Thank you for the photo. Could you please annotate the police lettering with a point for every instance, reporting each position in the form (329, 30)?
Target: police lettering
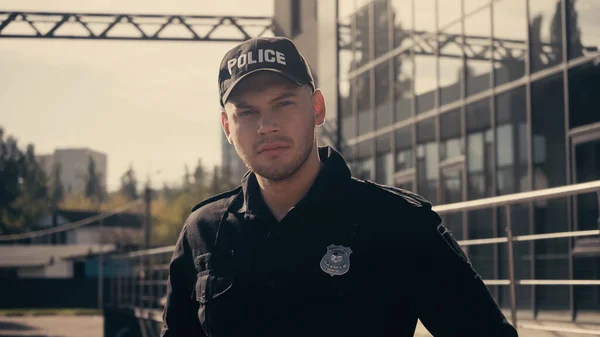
(264, 55)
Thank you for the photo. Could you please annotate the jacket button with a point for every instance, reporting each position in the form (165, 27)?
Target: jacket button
(340, 294)
(353, 234)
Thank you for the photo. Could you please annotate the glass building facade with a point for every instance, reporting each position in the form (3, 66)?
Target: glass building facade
(466, 99)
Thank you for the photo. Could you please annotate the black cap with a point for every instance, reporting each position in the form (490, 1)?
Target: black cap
(276, 54)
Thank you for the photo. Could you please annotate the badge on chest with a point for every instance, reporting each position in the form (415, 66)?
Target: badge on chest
(336, 260)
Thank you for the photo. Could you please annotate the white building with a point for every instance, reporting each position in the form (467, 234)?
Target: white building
(74, 167)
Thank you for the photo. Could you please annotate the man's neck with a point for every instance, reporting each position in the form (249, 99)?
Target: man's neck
(281, 196)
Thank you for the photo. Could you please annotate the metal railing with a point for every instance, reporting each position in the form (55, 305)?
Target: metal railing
(141, 276)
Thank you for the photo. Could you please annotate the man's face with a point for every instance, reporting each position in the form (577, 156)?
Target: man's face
(271, 122)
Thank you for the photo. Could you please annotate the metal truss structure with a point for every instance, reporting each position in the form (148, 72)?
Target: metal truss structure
(447, 45)
(144, 27)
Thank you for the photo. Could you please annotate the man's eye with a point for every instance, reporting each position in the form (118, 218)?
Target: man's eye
(285, 103)
(246, 112)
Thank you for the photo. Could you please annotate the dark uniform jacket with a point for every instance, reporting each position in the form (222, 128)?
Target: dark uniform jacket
(352, 258)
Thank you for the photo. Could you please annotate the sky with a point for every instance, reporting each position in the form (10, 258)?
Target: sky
(152, 105)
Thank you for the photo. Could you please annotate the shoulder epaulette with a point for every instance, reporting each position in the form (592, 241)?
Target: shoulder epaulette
(216, 197)
(410, 197)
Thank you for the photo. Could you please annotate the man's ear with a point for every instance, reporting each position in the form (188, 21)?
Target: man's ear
(319, 107)
(225, 125)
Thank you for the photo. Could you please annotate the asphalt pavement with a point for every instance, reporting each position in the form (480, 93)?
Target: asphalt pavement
(51, 326)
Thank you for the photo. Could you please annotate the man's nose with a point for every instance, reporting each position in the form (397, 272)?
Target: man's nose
(268, 124)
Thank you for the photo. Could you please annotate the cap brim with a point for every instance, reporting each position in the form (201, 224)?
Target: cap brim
(236, 82)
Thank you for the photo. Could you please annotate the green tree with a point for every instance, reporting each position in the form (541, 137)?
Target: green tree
(93, 189)
(57, 189)
(129, 184)
(23, 184)
(199, 175)
(10, 158)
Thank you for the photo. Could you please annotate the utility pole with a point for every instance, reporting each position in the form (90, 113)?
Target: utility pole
(101, 269)
(147, 219)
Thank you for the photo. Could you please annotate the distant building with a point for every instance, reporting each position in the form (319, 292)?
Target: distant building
(74, 165)
(69, 254)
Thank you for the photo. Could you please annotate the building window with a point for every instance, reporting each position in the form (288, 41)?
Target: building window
(478, 69)
(403, 86)
(584, 86)
(511, 142)
(296, 24)
(383, 106)
(582, 27)
(509, 43)
(404, 149)
(365, 161)
(427, 160)
(545, 26)
(480, 150)
(451, 135)
(549, 170)
(384, 165)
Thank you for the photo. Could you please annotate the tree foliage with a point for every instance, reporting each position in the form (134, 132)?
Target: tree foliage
(23, 186)
(129, 184)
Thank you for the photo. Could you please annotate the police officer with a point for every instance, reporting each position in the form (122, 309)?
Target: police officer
(302, 248)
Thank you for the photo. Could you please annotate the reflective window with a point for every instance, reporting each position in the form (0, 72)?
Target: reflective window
(365, 116)
(452, 184)
(451, 63)
(404, 148)
(345, 9)
(471, 5)
(347, 117)
(384, 165)
(402, 19)
(425, 76)
(482, 256)
(345, 54)
(425, 63)
(451, 135)
(381, 24)
(479, 150)
(349, 153)
(549, 170)
(361, 36)
(510, 35)
(583, 29)
(427, 160)
(449, 11)
(383, 106)
(511, 142)
(403, 70)
(478, 31)
(584, 100)
(546, 33)
(365, 163)
(520, 221)
(425, 17)
(547, 104)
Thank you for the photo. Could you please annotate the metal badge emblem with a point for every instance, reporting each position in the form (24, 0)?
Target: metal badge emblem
(336, 261)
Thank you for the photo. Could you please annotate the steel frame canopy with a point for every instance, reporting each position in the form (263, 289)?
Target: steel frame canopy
(141, 27)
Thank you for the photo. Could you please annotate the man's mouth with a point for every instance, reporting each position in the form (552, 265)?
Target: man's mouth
(272, 146)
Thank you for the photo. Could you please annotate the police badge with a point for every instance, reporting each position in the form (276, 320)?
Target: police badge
(337, 260)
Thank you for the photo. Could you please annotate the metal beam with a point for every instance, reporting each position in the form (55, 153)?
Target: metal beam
(142, 27)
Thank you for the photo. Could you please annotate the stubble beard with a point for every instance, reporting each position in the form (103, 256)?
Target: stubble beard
(285, 170)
